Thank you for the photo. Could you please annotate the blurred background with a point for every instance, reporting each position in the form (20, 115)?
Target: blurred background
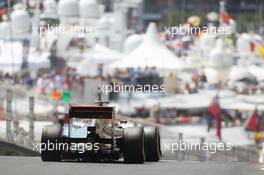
(214, 84)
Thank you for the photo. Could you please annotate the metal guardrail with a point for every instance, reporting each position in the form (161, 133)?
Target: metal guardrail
(18, 103)
(236, 154)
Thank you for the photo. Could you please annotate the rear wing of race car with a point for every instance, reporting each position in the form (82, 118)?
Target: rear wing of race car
(91, 112)
(94, 112)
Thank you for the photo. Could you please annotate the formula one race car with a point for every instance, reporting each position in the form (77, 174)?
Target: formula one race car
(91, 133)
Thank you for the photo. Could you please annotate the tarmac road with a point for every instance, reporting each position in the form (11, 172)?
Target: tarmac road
(34, 166)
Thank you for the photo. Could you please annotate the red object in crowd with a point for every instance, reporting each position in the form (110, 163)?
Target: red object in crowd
(68, 83)
(252, 47)
(185, 120)
(2, 113)
(2, 12)
(195, 78)
(41, 7)
(215, 112)
(66, 119)
(226, 17)
(253, 123)
(158, 120)
(162, 36)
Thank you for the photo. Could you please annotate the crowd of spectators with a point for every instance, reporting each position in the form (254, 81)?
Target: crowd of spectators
(45, 83)
(140, 76)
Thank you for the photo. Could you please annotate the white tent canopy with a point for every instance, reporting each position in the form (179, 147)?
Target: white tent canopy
(132, 42)
(151, 52)
(221, 56)
(257, 71)
(99, 54)
(239, 72)
(102, 55)
(250, 72)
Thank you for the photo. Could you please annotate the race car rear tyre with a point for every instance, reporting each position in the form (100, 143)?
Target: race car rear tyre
(49, 139)
(134, 145)
(152, 143)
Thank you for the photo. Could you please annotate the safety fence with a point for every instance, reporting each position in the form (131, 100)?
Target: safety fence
(234, 154)
(22, 112)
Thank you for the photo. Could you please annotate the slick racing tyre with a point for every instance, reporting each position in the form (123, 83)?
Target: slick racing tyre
(152, 143)
(134, 145)
(50, 137)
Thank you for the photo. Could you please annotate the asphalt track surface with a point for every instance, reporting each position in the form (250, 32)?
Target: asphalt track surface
(10, 165)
